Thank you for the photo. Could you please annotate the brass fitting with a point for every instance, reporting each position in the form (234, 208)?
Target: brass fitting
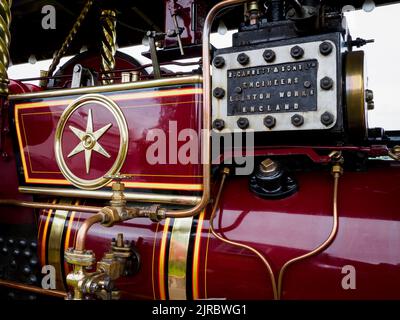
(252, 12)
(395, 153)
(98, 284)
(337, 163)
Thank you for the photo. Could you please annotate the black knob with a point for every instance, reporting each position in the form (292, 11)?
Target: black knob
(11, 241)
(16, 252)
(219, 62)
(269, 122)
(269, 55)
(26, 270)
(22, 243)
(297, 120)
(325, 48)
(218, 124)
(243, 59)
(327, 118)
(4, 250)
(326, 83)
(219, 93)
(33, 261)
(296, 52)
(271, 181)
(243, 123)
(32, 279)
(33, 245)
(27, 254)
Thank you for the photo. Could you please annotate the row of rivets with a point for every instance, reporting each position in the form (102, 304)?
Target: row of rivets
(269, 55)
(270, 122)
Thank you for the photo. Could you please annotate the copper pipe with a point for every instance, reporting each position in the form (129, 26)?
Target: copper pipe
(206, 150)
(33, 289)
(44, 205)
(321, 247)
(237, 244)
(84, 228)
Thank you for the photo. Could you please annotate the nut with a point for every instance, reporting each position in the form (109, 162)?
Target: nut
(243, 59)
(269, 122)
(297, 52)
(269, 55)
(219, 93)
(325, 48)
(219, 62)
(218, 124)
(243, 123)
(297, 120)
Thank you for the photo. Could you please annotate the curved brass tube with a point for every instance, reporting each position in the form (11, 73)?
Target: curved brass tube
(321, 247)
(33, 289)
(84, 228)
(237, 244)
(206, 154)
(44, 205)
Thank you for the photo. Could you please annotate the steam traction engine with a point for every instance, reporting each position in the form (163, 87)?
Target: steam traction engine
(253, 176)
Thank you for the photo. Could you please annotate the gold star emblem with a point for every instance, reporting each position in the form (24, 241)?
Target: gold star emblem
(89, 141)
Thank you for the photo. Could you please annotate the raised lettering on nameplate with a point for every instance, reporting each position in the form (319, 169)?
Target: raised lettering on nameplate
(286, 87)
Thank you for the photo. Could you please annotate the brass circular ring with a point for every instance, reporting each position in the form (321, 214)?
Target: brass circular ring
(123, 143)
(355, 96)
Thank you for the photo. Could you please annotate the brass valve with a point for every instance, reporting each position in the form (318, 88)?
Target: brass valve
(337, 163)
(120, 260)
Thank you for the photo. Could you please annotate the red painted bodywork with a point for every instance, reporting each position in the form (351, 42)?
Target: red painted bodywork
(368, 237)
(159, 109)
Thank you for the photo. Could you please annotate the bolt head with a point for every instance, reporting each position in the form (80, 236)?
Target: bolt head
(297, 52)
(238, 90)
(219, 62)
(297, 120)
(369, 95)
(327, 118)
(269, 122)
(219, 124)
(326, 83)
(268, 167)
(243, 123)
(325, 48)
(243, 59)
(219, 93)
(269, 55)
(307, 84)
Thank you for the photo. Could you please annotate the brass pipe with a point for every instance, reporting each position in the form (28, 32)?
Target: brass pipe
(106, 195)
(237, 244)
(84, 228)
(206, 150)
(326, 243)
(33, 289)
(108, 45)
(44, 205)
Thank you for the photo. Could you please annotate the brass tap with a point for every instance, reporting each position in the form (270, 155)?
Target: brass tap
(119, 261)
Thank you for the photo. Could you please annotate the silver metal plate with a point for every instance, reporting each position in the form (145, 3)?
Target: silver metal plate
(275, 89)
